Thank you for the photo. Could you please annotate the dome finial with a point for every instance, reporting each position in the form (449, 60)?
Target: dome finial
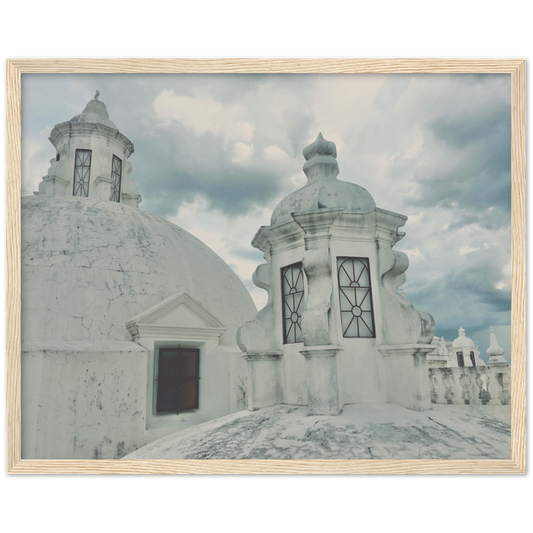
(320, 147)
(461, 332)
(320, 160)
(97, 94)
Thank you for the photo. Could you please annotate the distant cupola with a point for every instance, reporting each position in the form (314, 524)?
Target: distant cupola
(91, 159)
(465, 352)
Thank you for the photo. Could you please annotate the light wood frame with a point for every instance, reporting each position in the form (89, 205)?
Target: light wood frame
(515, 67)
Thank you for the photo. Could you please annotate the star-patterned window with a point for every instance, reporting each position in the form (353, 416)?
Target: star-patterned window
(116, 176)
(82, 172)
(292, 289)
(355, 296)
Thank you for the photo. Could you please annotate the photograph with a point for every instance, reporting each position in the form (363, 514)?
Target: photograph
(266, 266)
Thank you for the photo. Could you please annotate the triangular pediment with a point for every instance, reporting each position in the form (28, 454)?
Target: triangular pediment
(178, 313)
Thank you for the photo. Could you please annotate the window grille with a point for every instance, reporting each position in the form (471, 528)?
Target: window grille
(355, 297)
(82, 173)
(292, 290)
(116, 175)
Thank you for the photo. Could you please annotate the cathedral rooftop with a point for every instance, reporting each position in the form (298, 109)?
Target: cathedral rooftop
(95, 112)
(364, 431)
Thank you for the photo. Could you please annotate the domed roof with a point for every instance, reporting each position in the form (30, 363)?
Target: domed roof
(463, 341)
(89, 266)
(323, 190)
(95, 112)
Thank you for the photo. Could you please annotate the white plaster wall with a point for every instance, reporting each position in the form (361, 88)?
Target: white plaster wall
(359, 367)
(293, 375)
(238, 379)
(403, 374)
(82, 401)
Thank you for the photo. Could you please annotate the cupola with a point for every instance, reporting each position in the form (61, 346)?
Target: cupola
(91, 159)
(335, 330)
(465, 352)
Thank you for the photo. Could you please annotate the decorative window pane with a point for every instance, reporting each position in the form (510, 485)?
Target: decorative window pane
(355, 296)
(82, 173)
(116, 175)
(177, 380)
(292, 290)
(473, 358)
(460, 359)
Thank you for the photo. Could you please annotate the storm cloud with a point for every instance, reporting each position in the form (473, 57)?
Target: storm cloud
(215, 153)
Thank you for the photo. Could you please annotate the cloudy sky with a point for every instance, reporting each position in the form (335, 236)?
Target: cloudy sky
(215, 153)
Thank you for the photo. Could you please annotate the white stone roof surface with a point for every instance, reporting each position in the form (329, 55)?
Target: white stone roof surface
(363, 431)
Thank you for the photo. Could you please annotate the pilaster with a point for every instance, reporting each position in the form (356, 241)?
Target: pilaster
(320, 355)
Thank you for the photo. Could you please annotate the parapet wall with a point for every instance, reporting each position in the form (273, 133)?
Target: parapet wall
(471, 385)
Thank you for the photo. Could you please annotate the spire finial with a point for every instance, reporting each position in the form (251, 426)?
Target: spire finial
(97, 94)
(320, 159)
(495, 351)
(461, 332)
(320, 147)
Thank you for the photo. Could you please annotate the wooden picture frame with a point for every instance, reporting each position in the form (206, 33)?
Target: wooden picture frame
(515, 67)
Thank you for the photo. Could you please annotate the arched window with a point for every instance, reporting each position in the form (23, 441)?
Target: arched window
(292, 290)
(355, 296)
(82, 173)
(460, 359)
(116, 175)
(473, 358)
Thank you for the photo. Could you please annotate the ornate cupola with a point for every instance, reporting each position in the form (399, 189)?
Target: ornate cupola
(464, 352)
(335, 330)
(495, 351)
(91, 159)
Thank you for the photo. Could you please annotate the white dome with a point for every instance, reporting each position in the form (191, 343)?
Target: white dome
(323, 190)
(89, 266)
(95, 112)
(321, 195)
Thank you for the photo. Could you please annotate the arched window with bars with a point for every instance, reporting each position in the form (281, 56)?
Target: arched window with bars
(355, 297)
(116, 175)
(82, 173)
(292, 291)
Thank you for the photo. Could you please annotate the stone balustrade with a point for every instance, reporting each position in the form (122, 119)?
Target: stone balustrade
(471, 385)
